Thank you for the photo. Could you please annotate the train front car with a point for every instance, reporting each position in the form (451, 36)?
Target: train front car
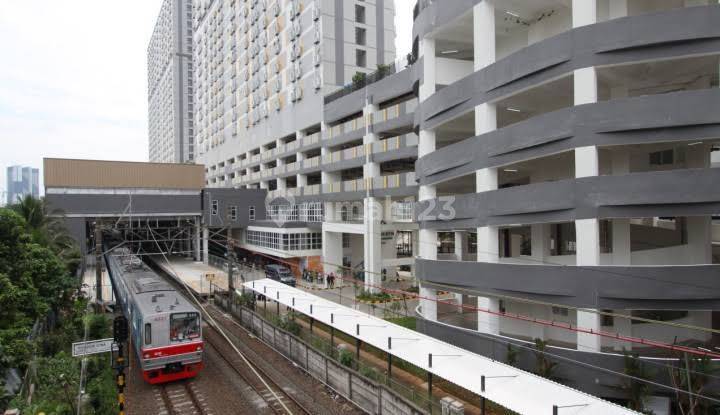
(166, 328)
(168, 334)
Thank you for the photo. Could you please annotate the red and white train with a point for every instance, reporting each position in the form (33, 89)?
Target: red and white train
(166, 329)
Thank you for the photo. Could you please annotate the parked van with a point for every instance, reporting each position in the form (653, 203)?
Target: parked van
(280, 273)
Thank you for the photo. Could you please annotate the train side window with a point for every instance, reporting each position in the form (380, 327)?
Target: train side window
(148, 334)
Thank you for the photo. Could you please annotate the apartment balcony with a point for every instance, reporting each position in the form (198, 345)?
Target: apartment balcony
(345, 132)
(344, 159)
(396, 119)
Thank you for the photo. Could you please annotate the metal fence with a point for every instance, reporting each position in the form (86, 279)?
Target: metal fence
(365, 387)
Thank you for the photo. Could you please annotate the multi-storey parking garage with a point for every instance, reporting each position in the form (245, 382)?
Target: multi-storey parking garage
(551, 164)
(565, 164)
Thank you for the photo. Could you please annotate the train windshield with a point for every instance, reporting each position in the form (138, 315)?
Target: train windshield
(184, 326)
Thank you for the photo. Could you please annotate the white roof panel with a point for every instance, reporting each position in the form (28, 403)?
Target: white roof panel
(515, 389)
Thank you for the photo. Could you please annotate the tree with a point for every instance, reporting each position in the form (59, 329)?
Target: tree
(47, 228)
(543, 366)
(637, 391)
(693, 375)
(359, 79)
(512, 355)
(33, 280)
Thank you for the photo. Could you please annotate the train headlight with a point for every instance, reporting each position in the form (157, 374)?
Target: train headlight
(198, 348)
(146, 355)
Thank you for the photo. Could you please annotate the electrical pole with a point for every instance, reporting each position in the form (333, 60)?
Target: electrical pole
(230, 261)
(120, 336)
(98, 266)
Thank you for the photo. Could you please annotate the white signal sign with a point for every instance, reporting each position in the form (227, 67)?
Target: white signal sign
(93, 347)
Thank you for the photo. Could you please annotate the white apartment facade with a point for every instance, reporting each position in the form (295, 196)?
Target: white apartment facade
(170, 85)
(263, 72)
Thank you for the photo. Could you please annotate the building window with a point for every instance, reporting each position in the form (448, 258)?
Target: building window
(560, 311)
(472, 243)
(446, 242)
(360, 36)
(148, 334)
(215, 207)
(251, 213)
(359, 13)
(660, 158)
(232, 213)
(285, 242)
(404, 244)
(360, 58)
(562, 239)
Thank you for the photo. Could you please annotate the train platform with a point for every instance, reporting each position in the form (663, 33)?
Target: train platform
(200, 277)
(88, 285)
(512, 388)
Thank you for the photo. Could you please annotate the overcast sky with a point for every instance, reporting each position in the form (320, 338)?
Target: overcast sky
(73, 78)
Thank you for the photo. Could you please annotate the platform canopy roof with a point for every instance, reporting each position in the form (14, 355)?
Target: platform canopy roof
(515, 389)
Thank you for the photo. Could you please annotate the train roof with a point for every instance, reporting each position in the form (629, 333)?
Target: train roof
(153, 295)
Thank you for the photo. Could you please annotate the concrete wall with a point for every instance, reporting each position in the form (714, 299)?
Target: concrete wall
(614, 287)
(240, 198)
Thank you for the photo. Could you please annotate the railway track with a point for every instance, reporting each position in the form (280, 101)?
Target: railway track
(279, 401)
(182, 398)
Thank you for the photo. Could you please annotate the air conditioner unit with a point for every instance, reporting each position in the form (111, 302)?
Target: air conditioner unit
(317, 57)
(297, 29)
(291, 72)
(276, 9)
(317, 35)
(316, 11)
(298, 70)
(317, 80)
(298, 92)
(292, 95)
(276, 46)
(278, 84)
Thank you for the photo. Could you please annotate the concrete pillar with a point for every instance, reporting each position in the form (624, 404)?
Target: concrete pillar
(427, 53)
(586, 165)
(301, 180)
(459, 301)
(198, 241)
(281, 183)
(483, 34)
(584, 12)
(699, 233)
(588, 320)
(332, 251)
(487, 238)
(372, 244)
(487, 322)
(206, 242)
(617, 9)
(427, 238)
(428, 303)
(461, 245)
(540, 242)
(621, 243)
(484, 48)
(487, 251)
